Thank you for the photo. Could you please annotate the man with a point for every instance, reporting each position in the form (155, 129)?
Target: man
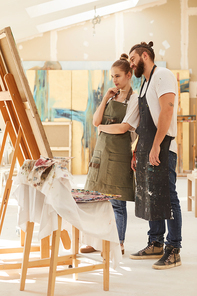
(156, 197)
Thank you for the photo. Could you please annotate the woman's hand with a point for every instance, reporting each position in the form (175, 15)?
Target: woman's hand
(110, 93)
(98, 115)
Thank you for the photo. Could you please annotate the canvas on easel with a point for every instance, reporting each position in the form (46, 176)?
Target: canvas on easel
(22, 121)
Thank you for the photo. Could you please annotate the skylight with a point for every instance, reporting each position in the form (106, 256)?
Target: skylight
(53, 6)
(84, 16)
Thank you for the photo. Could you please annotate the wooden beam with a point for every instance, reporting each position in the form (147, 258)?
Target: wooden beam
(5, 96)
(22, 116)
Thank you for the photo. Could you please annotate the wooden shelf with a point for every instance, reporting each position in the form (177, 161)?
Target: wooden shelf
(59, 138)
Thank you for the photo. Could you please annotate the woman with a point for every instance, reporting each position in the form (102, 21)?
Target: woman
(110, 167)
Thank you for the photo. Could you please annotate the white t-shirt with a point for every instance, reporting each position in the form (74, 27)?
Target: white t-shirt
(132, 115)
(162, 82)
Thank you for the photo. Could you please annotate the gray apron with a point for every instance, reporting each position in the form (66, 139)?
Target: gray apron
(153, 195)
(110, 167)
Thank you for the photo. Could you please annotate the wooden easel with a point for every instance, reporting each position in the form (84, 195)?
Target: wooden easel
(23, 125)
(181, 119)
(179, 132)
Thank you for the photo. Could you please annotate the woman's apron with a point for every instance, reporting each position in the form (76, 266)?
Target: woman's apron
(153, 195)
(110, 167)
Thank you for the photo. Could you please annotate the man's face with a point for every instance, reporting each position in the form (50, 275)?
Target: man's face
(136, 63)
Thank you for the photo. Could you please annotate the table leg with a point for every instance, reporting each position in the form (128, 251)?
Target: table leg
(106, 249)
(27, 247)
(65, 239)
(75, 248)
(45, 248)
(189, 193)
(195, 198)
(54, 258)
(22, 238)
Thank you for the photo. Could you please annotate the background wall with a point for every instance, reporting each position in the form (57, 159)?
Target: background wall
(171, 25)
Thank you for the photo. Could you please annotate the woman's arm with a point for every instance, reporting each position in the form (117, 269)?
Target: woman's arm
(98, 115)
(117, 128)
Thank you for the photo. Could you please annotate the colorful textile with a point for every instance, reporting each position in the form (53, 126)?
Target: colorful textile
(81, 195)
(37, 172)
(43, 172)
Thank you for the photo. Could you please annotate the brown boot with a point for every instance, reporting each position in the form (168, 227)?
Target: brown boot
(171, 258)
(87, 249)
(154, 250)
(122, 248)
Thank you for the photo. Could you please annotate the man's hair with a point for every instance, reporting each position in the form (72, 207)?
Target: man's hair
(144, 47)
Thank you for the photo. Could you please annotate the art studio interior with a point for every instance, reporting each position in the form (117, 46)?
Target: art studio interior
(56, 60)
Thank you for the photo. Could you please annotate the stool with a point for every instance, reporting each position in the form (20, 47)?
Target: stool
(190, 179)
(57, 260)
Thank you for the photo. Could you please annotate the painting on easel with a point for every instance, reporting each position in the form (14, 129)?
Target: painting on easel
(65, 95)
(20, 115)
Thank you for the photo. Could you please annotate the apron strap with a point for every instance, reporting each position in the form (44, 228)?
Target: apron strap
(151, 73)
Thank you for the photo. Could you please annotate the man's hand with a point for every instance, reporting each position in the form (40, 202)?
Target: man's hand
(154, 155)
(133, 163)
(99, 129)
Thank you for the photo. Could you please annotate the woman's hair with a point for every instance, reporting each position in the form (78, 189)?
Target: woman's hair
(144, 47)
(123, 64)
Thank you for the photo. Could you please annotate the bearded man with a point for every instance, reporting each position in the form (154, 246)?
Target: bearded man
(156, 196)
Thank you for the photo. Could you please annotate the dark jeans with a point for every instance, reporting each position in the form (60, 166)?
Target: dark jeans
(158, 228)
(120, 211)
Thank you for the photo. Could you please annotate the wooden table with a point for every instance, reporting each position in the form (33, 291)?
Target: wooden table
(51, 204)
(55, 260)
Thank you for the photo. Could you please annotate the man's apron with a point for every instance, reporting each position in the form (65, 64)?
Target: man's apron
(110, 167)
(153, 195)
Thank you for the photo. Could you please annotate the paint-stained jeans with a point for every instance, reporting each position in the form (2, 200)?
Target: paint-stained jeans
(157, 228)
(120, 211)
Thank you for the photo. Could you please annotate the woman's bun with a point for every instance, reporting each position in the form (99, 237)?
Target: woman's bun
(124, 56)
(150, 44)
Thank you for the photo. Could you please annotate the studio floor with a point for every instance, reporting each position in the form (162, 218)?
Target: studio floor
(132, 277)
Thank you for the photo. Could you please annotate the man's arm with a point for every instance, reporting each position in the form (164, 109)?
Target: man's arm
(166, 102)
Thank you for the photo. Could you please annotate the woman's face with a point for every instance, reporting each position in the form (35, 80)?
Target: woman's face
(120, 79)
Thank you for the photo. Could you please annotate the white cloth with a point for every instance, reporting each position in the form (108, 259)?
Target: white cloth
(96, 220)
(162, 82)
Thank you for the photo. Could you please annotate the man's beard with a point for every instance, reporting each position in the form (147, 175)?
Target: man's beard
(139, 68)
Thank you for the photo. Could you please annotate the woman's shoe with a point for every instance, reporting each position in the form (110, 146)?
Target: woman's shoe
(122, 248)
(87, 249)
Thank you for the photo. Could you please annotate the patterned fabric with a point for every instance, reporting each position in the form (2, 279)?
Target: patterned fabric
(43, 172)
(37, 172)
(81, 195)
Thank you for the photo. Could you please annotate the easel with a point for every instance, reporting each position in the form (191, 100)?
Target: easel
(180, 120)
(23, 126)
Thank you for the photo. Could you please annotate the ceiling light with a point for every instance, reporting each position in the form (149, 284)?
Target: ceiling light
(96, 20)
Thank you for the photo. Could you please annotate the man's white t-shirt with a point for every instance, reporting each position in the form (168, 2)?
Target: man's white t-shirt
(162, 82)
(132, 115)
(132, 112)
